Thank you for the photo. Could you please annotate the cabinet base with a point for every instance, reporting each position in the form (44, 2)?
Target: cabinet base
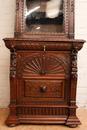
(12, 121)
(73, 121)
(23, 119)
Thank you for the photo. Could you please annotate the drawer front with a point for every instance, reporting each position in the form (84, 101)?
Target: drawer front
(44, 88)
(40, 91)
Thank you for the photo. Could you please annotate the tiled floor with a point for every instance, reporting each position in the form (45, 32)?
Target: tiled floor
(82, 114)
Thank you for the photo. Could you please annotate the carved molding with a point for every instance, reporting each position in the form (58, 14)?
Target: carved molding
(51, 44)
(41, 111)
(66, 17)
(73, 103)
(72, 6)
(17, 5)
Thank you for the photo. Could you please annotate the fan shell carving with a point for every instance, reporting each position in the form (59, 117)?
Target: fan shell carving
(41, 65)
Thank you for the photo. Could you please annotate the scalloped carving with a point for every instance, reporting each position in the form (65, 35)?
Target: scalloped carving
(34, 65)
(41, 65)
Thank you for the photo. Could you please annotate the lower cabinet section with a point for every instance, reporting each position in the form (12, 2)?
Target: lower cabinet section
(42, 115)
(43, 81)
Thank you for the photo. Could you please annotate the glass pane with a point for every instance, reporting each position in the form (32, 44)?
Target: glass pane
(44, 16)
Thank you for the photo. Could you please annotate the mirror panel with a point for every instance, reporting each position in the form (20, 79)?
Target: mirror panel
(44, 16)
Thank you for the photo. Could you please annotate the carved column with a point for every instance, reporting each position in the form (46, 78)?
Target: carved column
(12, 119)
(71, 18)
(73, 83)
(72, 119)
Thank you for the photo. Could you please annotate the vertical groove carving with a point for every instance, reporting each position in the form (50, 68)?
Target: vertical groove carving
(41, 111)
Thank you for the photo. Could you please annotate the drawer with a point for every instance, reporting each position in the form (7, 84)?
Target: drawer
(44, 88)
(41, 91)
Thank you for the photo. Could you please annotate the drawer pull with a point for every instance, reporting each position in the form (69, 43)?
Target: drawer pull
(43, 88)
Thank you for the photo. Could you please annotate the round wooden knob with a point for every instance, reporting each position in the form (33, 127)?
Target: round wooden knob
(43, 88)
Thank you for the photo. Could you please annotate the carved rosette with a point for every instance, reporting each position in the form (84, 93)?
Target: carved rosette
(13, 65)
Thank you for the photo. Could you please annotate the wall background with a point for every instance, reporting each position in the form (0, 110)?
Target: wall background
(7, 22)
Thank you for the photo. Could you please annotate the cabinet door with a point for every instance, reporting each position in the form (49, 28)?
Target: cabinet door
(42, 77)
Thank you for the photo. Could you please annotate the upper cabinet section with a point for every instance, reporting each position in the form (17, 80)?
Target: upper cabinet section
(44, 19)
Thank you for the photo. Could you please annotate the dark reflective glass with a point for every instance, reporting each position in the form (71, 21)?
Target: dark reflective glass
(44, 16)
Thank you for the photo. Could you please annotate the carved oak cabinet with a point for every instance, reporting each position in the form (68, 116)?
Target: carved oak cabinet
(43, 68)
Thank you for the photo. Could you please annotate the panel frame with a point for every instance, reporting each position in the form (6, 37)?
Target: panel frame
(68, 22)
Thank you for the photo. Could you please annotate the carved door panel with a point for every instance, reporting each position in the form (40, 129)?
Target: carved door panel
(42, 77)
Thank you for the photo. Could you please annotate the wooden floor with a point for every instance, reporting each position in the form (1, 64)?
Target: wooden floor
(82, 114)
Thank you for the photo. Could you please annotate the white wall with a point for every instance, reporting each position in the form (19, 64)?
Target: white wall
(7, 15)
(7, 18)
(81, 32)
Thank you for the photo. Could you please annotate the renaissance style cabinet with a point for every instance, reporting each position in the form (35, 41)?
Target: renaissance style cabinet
(43, 68)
